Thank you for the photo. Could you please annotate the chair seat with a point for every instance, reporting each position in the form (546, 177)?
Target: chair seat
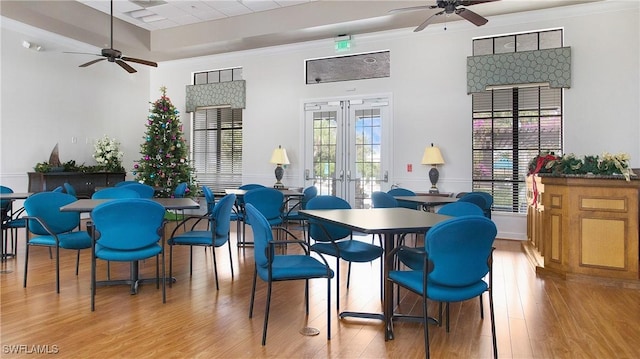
(292, 267)
(120, 255)
(195, 238)
(440, 293)
(71, 240)
(15, 223)
(350, 250)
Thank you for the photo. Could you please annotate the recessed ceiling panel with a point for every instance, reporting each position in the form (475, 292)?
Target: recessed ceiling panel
(351, 67)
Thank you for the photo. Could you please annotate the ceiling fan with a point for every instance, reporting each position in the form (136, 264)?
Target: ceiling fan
(113, 55)
(449, 7)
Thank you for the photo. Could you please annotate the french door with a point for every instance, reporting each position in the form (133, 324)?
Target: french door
(347, 147)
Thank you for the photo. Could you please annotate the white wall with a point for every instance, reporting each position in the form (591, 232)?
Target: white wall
(428, 85)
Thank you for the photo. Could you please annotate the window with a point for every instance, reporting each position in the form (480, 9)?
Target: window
(511, 126)
(217, 137)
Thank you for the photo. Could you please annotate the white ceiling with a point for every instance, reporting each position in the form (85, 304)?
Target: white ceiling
(204, 27)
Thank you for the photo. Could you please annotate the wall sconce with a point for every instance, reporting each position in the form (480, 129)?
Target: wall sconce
(32, 46)
(279, 157)
(433, 157)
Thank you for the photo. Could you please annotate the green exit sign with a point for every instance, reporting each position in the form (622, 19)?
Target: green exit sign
(343, 45)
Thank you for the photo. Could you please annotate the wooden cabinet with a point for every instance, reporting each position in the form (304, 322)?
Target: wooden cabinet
(590, 227)
(84, 183)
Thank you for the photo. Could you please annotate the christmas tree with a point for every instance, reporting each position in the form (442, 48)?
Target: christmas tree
(164, 163)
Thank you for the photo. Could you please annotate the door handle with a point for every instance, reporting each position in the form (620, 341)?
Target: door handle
(306, 175)
(340, 176)
(385, 178)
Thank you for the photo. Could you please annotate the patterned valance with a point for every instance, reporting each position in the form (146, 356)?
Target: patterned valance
(551, 66)
(232, 93)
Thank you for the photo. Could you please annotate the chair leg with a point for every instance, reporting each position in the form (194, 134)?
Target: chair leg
(447, 314)
(57, 269)
(425, 323)
(440, 314)
(338, 285)
(328, 308)
(171, 265)
(230, 257)
(306, 296)
(26, 263)
(493, 326)
(481, 307)
(215, 266)
(349, 275)
(253, 292)
(164, 279)
(93, 281)
(158, 272)
(266, 315)
(77, 262)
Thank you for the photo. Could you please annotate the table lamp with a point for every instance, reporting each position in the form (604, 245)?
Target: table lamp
(279, 157)
(432, 156)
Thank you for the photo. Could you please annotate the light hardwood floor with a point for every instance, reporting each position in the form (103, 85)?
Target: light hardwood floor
(536, 317)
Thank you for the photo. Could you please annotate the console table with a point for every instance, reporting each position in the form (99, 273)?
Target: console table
(83, 182)
(586, 226)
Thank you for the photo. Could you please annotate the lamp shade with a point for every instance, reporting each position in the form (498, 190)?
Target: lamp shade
(432, 156)
(279, 156)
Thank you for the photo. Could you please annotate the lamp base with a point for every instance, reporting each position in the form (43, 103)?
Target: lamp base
(279, 172)
(433, 177)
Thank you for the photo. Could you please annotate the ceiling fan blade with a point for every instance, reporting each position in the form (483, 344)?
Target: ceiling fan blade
(92, 62)
(139, 61)
(427, 21)
(474, 2)
(412, 8)
(472, 17)
(80, 53)
(126, 66)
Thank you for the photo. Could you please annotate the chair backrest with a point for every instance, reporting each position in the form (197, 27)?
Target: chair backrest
(383, 200)
(266, 200)
(70, 189)
(250, 186)
(211, 199)
(58, 189)
(308, 193)
(128, 224)
(221, 214)
(124, 183)
(483, 199)
(457, 209)
(181, 190)
(115, 192)
(262, 235)
(459, 249)
(5, 204)
(401, 192)
(145, 191)
(46, 206)
(333, 231)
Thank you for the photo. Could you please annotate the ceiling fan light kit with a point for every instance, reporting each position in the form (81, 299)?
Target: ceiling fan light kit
(449, 7)
(113, 55)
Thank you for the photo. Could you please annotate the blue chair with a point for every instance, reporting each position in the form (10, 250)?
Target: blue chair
(269, 202)
(381, 199)
(181, 190)
(337, 241)
(271, 267)
(455, 209)
(124, 183)
(127, 230)
(293, 215)
(58, 189)
(53, 229)
(145, 191)
(216, 236)
(481, 199)
(455, 261)
(70, 189)
(115, 193)
(12, 220)
(210, 198)
(238, 213)
(403, 192)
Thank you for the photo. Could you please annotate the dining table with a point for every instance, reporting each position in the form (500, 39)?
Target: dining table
(389, 223)
(427, 202)
(87, 205)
